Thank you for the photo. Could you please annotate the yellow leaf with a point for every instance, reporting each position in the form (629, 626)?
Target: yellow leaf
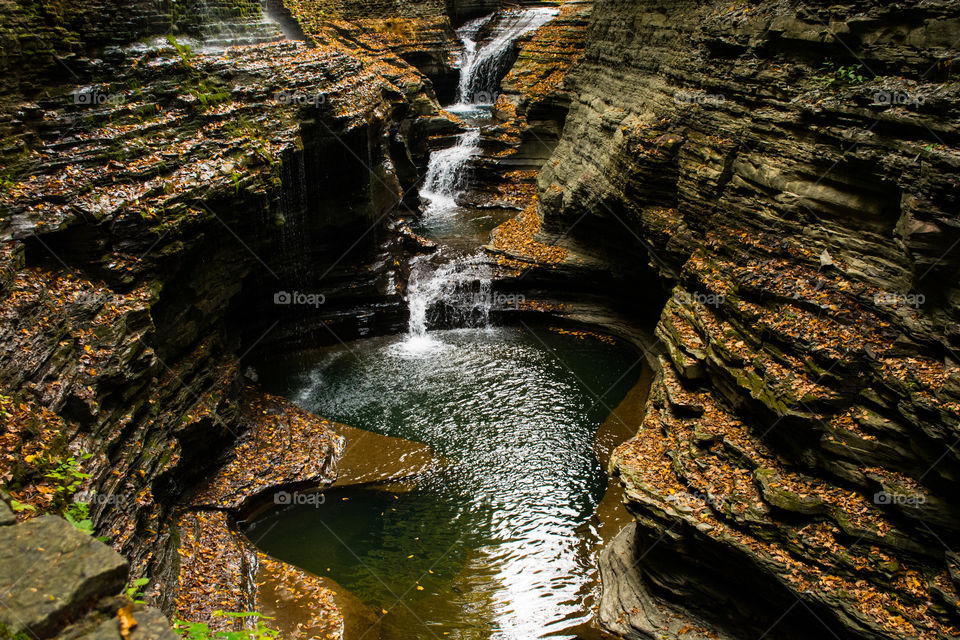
(127, 621)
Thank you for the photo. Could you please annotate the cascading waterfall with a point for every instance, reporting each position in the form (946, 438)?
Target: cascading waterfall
(446, 175)
(224, 28)
(483, 66)
(458, 293)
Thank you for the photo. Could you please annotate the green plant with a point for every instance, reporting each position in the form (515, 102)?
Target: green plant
(19, 506)
(7, 634)
(6, 184)
(201, 630)
(183, 50)
(68, 475)
(78, 514)
(208, 94)
(841, 75)
(134, 592)
(69, 478)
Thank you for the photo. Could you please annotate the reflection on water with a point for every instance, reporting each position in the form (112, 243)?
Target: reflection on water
(497, 544)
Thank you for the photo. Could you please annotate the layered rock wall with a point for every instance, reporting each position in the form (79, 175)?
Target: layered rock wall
(146, 238)
(790, 171)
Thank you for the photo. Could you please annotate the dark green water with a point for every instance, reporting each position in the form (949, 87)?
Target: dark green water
(499, 543)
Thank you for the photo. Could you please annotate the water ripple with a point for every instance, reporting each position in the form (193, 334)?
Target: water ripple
(494, 541)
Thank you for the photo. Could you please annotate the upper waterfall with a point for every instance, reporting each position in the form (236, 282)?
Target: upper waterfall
(483, 64)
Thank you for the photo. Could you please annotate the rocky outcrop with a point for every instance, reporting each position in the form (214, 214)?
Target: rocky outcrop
(787, 171)
(283, 456)
(534, 97)
(461, 11)
(155, 229)
(418, 31)
(64, 43)
(58, 582)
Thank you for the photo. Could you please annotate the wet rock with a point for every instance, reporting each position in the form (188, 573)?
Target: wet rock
(626, 606)
(221, 570)
(305, 606)
(153, 233)
(122, 621)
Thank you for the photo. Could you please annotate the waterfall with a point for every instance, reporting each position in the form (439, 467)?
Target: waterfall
(446, 175)
(224, 26)
(482, 66)
(458, 293)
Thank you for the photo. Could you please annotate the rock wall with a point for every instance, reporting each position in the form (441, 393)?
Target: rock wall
(419, 31)
(462, 10)
(535, 97)
(146, 237)
(44, 42)
(789, 169)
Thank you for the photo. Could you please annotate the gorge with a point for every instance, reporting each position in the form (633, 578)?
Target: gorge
(479, 319)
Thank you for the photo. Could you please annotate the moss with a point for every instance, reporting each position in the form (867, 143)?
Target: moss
(6, 633)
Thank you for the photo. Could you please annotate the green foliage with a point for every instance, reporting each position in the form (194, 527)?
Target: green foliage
(208, 94)
(7, 634)
(134, 592)
(19, 506)
(835, 76)
(68, 479)
(68, 475)
(184, 50)
(7, 183)
(201, 630)
(78, 514)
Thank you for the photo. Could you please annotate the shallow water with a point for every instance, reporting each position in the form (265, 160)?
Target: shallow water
(498, 543)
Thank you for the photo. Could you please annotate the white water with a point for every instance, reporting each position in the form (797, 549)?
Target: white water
(480, 63)
(446, 175)
(462, 286)
(458, 293)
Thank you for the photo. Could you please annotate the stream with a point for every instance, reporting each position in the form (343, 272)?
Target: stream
(501, 541)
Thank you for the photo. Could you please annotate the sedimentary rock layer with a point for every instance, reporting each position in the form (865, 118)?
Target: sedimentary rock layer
(791, 170)
(146, 239)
